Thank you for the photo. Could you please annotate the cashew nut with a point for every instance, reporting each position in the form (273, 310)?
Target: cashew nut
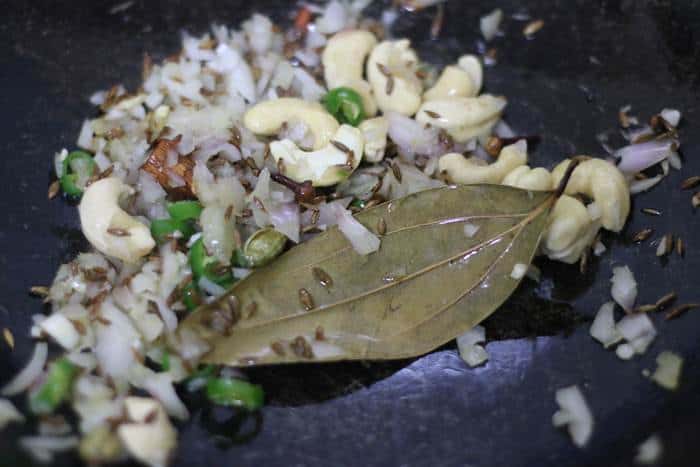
(108, 227)
(463, 117)
(327, 166)
(343, 64)
(570, 230)
(453, 82)
(267, 118)
(148, 435)
(472, 65)
(602, 182)
(391, 70)
(374, 131)
(460, 169)
(524, 177)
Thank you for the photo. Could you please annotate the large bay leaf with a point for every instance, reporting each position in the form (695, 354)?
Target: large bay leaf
(428, 282)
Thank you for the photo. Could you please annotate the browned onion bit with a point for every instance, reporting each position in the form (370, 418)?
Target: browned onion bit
(680, 310)
(432, 114)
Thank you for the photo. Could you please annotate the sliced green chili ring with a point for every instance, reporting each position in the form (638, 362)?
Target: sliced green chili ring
(191, 296)
(235, 392)
(185, 210)
(165, 361)
(204, 265)
(55, 388)
(358, 203)
(345, 105)
(200, 377)
(163, 229)
(78, 167)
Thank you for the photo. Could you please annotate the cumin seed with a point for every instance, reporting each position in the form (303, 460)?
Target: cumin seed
(532, 27)
(302, 348)
(583, 263)
(278, 348)
(79, 326)
(432, 114)
(696, 200)
(642, 235)
(322, 277)
(680, 247)
(690, 182)
(383, 69)
(396, 170)
(381, 226)
(644, 308)
(54, 188)
(9, 338)
(39, 291)
(118, 232)
(680, 310)
(229, 212)
(389, 85)
(341, 147)
(666, 300)
(315, 214)
(251, 309)
(651, 211)
(319, 335)
(665, 245)
(306, 299)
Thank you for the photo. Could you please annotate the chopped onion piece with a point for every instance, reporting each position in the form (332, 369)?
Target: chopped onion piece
(603, 328)
(9, 413)
(61, 330)
(672, 116)
(624, 351)
(650, 451)
(668, 370)
(29, 373)
(575, 414)
(637, 157)
(488, 24)
(42, 448)
(599, 248)
(675, 160)
(638, 330)
(518, 271)
(472, 353)
(638, 186)
(624, 287)
(363, 241)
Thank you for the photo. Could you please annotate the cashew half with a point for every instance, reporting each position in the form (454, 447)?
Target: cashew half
(472, 65)
(571, 230)
(343, 64)
(463, 117)
(108, 227)
(460, 169)
(148, 434)
(604, 183)
(374, 131)
(267, 118)
(327, 166)
(463, 80)
(524, 177)
(391, 70)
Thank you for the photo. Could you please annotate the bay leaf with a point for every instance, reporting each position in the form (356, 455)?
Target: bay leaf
(429, 282)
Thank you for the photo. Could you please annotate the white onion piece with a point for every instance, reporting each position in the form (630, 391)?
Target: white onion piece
(210, 287)
(575, 414)
(470, 229)
(668, 370)
(412, 137)
(650, 451)
(488, 24)
(638, 331)
(675, 160)
(603, 328)
(160, 386)
(115, 342)
(518, 271)
(625, 351)
(61, 330)
(639, 186)
(29, 373)
(672, 116)
(624, 287)
(9, 413)
(473, 354)
(637, 157)
(42, 448)
(599, 248)
(503, 130)
(363, 241)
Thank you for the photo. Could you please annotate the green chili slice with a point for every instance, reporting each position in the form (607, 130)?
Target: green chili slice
(164, 229)
(185, 210)
(165, 361)
(78, 167)
(191, 296)
(55, 387)
(235, 392)
(345, 105)
(204, 265)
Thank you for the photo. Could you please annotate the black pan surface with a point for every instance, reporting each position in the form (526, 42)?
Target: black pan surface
(567, 84)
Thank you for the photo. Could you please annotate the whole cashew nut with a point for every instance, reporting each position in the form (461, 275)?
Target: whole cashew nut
(108, 227)
(460, 169)
(391, 70)
(571, 230)
(602, 182)
(343, 64)
(463, 80)
(374, 131)
(463, 117)
(327, 166)
(267, 118)
(524, 177)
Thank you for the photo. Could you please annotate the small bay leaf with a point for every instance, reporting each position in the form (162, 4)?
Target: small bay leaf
(428, 282)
